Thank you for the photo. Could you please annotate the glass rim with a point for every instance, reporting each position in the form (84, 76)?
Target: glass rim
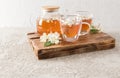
(83, 11)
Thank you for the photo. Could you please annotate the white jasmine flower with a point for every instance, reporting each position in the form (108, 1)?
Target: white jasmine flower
(69, 22)
(57, 35)
(52, 37)
(43, 38)
(57, 41)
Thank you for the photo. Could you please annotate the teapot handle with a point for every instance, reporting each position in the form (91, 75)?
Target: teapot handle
(33, 21)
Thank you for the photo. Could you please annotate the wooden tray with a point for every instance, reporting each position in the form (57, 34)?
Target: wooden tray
(86, 43)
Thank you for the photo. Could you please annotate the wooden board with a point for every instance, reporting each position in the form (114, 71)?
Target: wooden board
(86, 43)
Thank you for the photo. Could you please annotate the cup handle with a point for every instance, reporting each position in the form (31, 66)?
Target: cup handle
(87, 31)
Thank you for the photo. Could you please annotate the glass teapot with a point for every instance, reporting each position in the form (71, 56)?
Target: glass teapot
(49, 21)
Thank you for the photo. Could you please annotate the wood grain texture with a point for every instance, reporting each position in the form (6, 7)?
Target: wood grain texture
(86, 43)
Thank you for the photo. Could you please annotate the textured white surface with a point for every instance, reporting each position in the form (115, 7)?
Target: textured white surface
(17, 60)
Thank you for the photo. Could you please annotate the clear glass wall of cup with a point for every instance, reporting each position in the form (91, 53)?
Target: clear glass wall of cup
(86, 17)
(71, 27)
(49, 21)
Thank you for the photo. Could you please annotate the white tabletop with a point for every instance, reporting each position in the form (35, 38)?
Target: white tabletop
(17, 60)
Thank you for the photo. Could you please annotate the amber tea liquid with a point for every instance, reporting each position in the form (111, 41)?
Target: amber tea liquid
(84, 26)
(48, 25)
(70, 31)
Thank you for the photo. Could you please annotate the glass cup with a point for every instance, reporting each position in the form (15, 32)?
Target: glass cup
(86, 17)
(71, 27)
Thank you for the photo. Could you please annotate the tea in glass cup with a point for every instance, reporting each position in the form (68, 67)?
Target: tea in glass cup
(86, 17)
(71, 27)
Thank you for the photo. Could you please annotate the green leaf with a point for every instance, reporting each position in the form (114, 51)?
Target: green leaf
(94, 29)
(48, 43)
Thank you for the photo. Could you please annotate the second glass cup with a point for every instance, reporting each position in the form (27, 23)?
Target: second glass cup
(86, 17)
(71, 27)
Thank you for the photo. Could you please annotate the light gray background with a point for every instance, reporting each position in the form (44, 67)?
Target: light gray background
(17, 13)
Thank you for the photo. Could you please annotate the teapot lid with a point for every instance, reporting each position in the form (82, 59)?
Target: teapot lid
(50, 8)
